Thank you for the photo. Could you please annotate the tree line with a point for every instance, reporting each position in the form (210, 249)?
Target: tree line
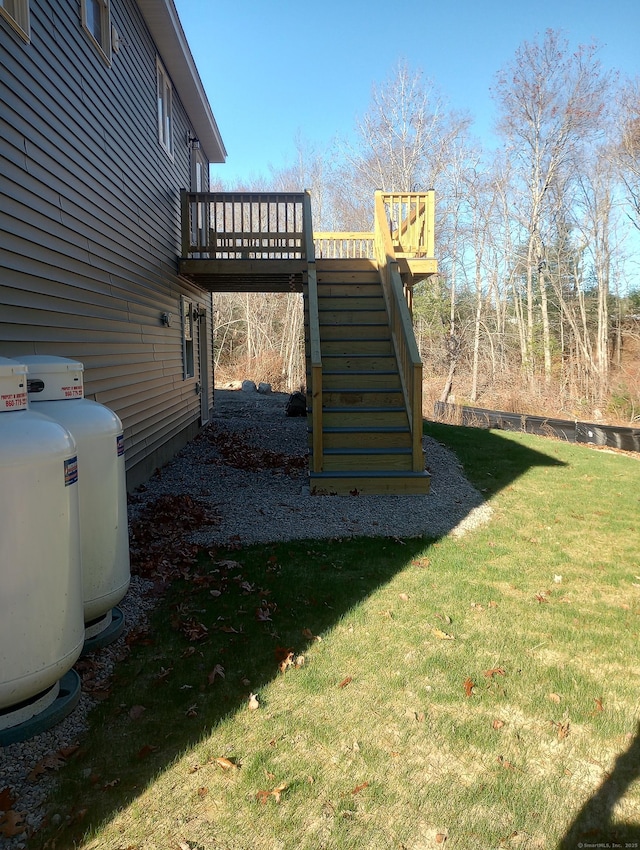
(535, 306)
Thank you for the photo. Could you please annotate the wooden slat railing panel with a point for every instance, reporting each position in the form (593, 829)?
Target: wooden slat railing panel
(344, 245)
(411, 218)
(240, 225)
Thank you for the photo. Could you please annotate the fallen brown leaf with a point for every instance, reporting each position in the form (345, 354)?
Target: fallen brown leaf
(360, 788)
(495, 671)
(164, 673)
(286, 663)
(506, 764)
(263, 796)
(562, 727)
(203, 791)
(468, 686)
(598, 702)
(145, 751)
(225, 763)
(6, 799)
(440, 838)
(445, 618)
(52, 761)
(442, 635)
(498, 724)
(277, 791)
(421, 562)
(554, 697)
(12, 823)
(218, 670)
(346, 681)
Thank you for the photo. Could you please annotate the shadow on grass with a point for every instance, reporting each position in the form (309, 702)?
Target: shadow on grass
(594, 825)
(219, 632)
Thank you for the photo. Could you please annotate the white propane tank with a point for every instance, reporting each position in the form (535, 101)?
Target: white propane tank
(56, 389)
(41, 624)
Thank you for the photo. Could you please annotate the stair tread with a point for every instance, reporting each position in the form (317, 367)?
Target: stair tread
(370, 473)
(365, 429)
(359, 372)
(362, 389)
(366, 451)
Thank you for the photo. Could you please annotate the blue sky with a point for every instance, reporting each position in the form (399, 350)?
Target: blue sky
(274, 71)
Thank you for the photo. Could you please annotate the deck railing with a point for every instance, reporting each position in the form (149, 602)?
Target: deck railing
(402, 335)
(411, 221)
(344, 245)
(243, 225)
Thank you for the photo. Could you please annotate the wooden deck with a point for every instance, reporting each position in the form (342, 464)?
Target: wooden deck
(364, 374)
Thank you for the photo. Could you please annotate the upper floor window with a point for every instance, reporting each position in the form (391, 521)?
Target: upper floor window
(96, 19)
(17, 13)
(165, 109)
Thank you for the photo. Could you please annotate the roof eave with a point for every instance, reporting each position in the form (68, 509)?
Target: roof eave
(166, 30)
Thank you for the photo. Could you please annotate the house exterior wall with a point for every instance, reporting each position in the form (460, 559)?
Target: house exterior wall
(90, 223)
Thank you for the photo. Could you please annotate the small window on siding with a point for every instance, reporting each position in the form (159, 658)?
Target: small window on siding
(17, 13)
(165, 109)
(188, 362)
(96, 20)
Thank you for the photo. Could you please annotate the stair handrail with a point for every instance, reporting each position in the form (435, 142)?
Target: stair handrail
(401, 324)
(315, 353)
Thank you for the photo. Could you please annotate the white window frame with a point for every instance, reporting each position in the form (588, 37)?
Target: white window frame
(188, 339)
(16, 13)
(164, 98)
(103, 43)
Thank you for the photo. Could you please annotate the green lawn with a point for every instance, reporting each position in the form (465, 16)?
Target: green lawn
(478, 692)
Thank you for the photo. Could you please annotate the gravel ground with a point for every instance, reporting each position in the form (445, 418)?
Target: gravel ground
(249, 467)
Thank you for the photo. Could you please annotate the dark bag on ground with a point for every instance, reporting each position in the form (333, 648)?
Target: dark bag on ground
(297, 405)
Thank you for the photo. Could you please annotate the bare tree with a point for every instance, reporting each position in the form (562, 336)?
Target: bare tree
(402, 144)
(551, 102)
(626, 152)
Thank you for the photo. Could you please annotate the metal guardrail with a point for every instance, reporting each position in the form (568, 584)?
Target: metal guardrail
(572, 431)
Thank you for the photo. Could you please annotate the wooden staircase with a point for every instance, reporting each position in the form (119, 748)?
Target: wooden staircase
(366, 440)
(364, 372)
